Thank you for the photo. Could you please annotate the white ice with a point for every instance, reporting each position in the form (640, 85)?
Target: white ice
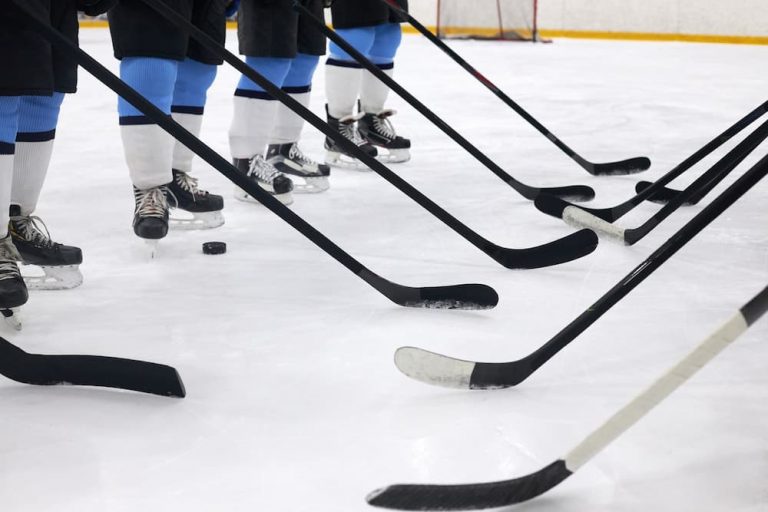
(294, 403)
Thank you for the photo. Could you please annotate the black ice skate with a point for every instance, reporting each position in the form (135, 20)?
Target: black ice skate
(13, 291)
(378, 130)
(59, 263)
(290, 160)
(335, 156)
(204, 206)
(263, 174)
(150, 217)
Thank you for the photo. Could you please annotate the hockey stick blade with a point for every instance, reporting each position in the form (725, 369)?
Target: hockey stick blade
(622, 168)
(479, 496)
(662, 196)
(572, 247)
(440, 370)
(462, 296)
(575, 193)
(470, 496)
(578, 217)
(107, 372)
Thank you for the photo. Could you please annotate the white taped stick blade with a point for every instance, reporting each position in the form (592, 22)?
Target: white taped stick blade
(578, 218)
(434, 369)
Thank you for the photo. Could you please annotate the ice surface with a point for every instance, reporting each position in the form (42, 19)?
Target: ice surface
(294, 403)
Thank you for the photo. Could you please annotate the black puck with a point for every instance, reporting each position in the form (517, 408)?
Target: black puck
(214, 248)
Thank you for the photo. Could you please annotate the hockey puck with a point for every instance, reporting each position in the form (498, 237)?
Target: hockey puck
(214, 248)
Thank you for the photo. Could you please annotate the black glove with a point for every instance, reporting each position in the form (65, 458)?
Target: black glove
(95, 7)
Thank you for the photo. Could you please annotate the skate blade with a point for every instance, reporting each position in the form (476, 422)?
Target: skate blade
(12, 318)
(395, 156)
(63, 277)
(342, 161)
(199, 221)
(242, 195)
(153, 248)
(312, 185)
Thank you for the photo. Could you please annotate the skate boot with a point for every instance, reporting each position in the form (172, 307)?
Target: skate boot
(204, 206)
(59, 263)
(150, 217)
(335, 156)
(263, 174)
(378, 130)
(13, 291)
(290, 160)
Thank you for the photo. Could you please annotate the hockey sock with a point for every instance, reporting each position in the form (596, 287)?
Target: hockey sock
(343, 75)
(255, 110)
(192, 83)
(298, 84)
(38, 117)
(373, 92)
(9, 123)
(148, 148)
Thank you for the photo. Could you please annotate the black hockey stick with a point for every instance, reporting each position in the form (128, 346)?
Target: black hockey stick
(576, 193)
(629, 166)
(614, 213)
(466, 296)
(445, 371)
(107, 372)
(571, 247)
(508, 492)
(575, 216)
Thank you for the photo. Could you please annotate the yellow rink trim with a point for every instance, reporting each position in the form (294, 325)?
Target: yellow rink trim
(576, 34)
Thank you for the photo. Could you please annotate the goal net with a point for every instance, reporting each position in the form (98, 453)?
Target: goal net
(513, 20)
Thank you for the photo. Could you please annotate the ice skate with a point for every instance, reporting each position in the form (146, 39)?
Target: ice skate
(263, 174)
(377, 129)
(13, 290)
(290, 160)
(59, 263)
(187, 196)
(150, 217)
(335, 156)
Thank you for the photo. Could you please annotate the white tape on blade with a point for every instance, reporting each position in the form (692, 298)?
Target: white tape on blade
(578, 218)
(658, 391)
(434, 369)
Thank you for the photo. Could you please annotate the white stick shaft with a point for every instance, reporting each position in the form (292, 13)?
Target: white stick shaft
(658, 391)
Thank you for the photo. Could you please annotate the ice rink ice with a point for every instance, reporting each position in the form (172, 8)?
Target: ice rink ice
(293, 401)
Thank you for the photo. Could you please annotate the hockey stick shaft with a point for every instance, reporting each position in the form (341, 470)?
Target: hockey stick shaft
(585, 164)
(565, 249)
(211, 157)
(525, 190)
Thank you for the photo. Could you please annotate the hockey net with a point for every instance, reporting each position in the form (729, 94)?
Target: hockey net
(511, 20)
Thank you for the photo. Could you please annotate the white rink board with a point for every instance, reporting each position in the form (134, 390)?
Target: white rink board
(294, 404)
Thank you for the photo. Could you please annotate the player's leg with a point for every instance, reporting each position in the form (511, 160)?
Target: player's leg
(193, 80)
(267, 36)
(284, 152)
(375, 125)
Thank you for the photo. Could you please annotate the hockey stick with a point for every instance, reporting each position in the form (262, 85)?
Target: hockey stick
(508, 492)
(466, 296)
(629, 166)
(576, 193)
(575, 216)
(614, 213)
(445, 371)
(107, 372)
(571, 247)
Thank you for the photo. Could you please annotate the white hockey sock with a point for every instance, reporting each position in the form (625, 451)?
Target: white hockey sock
(6, 181)
(342, 85)
(251, 126)
(30, 167)
(373, 92)
(288, 124)
(182, 155)
(148, 153)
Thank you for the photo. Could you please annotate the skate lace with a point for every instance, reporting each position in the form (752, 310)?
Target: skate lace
(262, 169)
(296, 154)
(152, 202)
(383, 125)
(348, 129)
(29, 227)
(189, 184)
